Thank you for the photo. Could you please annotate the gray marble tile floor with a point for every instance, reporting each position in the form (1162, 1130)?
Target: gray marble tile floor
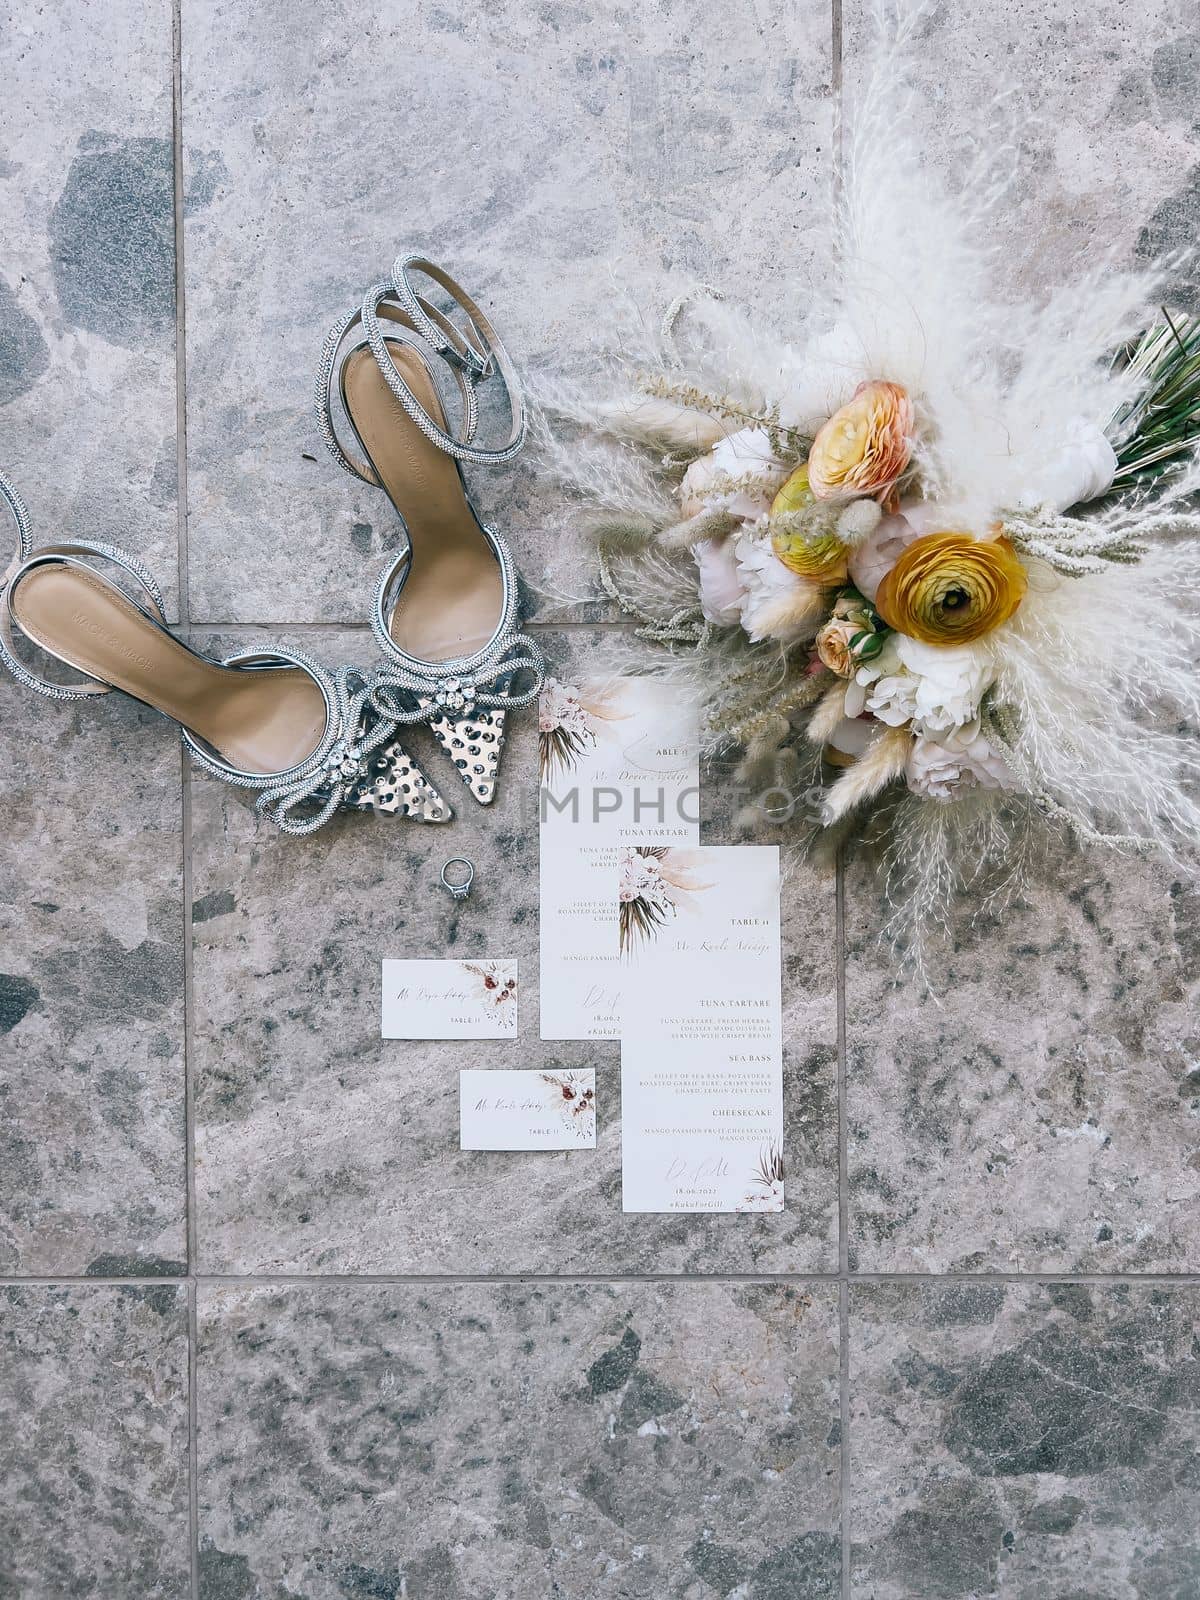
(265, 1332)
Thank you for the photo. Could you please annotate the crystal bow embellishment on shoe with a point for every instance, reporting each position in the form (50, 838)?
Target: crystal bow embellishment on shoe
(465, 710)
(410, 694)
(360, 765)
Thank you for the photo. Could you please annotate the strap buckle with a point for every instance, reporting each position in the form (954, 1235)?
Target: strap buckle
(474, 367)
(472, 356)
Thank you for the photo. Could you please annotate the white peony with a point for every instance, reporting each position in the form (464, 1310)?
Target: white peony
(777, 604)
(942, 769)
(722, 591)
(936, 688)
(741, 455)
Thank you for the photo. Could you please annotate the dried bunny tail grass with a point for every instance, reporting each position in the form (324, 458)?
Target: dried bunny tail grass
(661, 423)
(881, 763)
(628, 416)
(795, 615)
(715, 523)
(828, 716)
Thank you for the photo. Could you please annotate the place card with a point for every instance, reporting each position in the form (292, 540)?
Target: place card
(620, 760)
(449, 999)
(701, 1028)
(527, 1110)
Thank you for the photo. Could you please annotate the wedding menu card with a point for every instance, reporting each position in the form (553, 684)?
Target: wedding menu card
(701, 1028)
(449, 999)
(552, 1110)
(620, 760)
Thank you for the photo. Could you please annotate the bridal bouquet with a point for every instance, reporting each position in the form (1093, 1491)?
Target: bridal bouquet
(929, 552)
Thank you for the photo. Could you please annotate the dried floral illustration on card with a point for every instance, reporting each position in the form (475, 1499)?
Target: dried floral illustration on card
(655, 881)
(765, 1189)
(570, 720)
(573, 1096)
(497, 988)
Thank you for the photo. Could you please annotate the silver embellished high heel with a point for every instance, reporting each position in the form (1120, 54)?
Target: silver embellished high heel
(310, 741)
(446, 609)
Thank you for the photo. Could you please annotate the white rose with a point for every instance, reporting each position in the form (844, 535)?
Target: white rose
(942, 769)
(742, 454)
(951, 681)
(893, 699)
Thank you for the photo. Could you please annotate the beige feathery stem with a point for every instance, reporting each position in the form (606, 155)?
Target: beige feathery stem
(830, 711)
(795, 614)
(710, 524)
(692, 398)
(651, 419)
(882, 761)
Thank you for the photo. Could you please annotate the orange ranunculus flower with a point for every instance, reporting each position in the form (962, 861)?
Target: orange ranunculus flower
(865, 445)
(805, 545)
(948, 588)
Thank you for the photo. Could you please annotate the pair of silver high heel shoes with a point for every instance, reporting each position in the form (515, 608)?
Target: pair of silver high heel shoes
(313, 741)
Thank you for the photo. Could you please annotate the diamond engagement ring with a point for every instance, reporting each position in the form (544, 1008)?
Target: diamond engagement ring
(458, 875)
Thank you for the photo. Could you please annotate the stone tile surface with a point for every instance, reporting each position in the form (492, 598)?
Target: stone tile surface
(1043, 1117)
(1040, 1114)
(443, 1442)
(595, 1435)
(91, 989)
(87, 280)
(93, 1442)
(1024, 1442)
(1108, 153)
(322, 1148)
(544, 154)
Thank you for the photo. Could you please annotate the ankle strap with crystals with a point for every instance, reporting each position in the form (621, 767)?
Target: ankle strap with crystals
(475, 355)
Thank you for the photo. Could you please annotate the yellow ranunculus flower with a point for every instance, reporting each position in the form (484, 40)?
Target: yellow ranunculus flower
(948, 588)
(865, 446)
(805, 545)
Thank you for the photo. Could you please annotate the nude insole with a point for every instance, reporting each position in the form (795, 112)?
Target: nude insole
(263, 720)
(452, 599)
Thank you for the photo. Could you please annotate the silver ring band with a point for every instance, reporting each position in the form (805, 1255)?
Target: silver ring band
(462, 888)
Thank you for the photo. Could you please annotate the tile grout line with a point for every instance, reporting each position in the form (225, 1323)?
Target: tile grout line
(181, 471)
(837, 88)
(843, 1225)
(911, 1280)
(185, 795)
(189, 1124)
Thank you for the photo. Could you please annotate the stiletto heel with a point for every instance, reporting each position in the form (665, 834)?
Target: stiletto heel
(446, 610)
(308, 740)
